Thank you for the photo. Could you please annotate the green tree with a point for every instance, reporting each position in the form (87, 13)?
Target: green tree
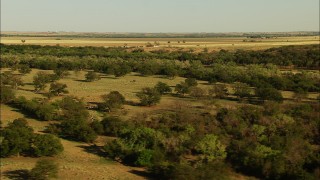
(163, 88)
(191, 82)
(8, 78)
(16, 138)
(92, 76)
(182, 88)
(24, 69)
(113, 100)
(46, 145)
(218, 91)
(44, 169)
(241, 90)
(40, 80)
(211, 148)
(58, 88)
(61, 72)
(269, 94)
(7, 95)
(149, 96)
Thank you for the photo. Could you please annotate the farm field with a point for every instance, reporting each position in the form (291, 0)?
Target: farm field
(194, 43)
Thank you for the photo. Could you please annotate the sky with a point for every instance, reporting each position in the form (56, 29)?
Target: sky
(160, 15)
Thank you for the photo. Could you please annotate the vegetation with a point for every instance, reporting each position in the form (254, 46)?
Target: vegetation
(43, 170)
(242, 112)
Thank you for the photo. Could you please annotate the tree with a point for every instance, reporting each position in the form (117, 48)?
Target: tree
(112, 100)
(219, 91)
(8, 78)
(211, 148)
(61, 72)
(162, 88)
(57, 88)
(149, 96)
(241, 90)
(269, 94)
(24, 69)
(75, 123)
(112, 125)
(46, 145)
(43, 170)
(92, 76)
(7, 95)
(40, 80)
(16, 138)
(191, 82)
(182, 88)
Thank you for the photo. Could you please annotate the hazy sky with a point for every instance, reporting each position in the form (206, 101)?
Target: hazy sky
(160, 15)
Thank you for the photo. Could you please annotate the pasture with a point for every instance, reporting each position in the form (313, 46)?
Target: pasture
(196, 44)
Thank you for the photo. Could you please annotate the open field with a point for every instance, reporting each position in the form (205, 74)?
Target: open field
(175, 43)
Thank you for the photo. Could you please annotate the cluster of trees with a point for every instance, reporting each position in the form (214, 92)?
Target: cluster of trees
(17, 138)
(273, 142)
(300, 56)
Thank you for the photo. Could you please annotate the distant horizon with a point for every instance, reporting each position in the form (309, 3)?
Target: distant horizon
(226, 32)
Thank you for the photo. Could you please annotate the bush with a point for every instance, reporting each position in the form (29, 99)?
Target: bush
(211, 148)
(144, 158)
(43, 170)
(219, 91)
(92, 76)
(113, 100)
(191, 82)
(241, 90)
(24, 69)
(46, 145)
(16, 138)
(149, 96)
(7, 95)
(163, 88)
(58, 88)
(269, 94)
(113, 126)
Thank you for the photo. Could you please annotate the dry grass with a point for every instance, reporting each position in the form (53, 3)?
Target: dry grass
(194, 43)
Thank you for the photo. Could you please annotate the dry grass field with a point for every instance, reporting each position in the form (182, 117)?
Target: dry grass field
(175, 43)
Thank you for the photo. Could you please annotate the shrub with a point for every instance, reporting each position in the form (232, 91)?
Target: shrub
(149, 96)
(211, 148)
(269, 94)
(58, 88)
(43, 170)
(46, 145)
(92, 76)
(7, 95)
(113, 100)
(163, 88)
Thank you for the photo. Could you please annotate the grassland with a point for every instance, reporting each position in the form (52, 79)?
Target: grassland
(227, 43)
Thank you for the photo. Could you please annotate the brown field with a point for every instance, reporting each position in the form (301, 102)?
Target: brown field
(77, 162)
(190, 43)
